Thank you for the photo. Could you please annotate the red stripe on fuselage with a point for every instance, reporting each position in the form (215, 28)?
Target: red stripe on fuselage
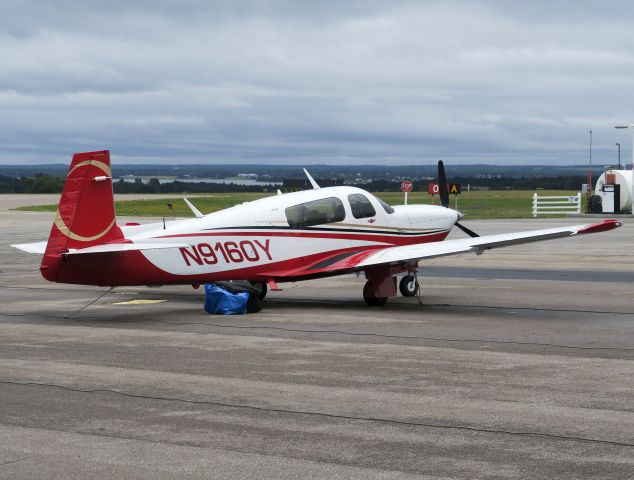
(133, 268)
(390, 239)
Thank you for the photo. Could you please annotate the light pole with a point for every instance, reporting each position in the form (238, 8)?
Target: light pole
(630, 125)
(618, 146)
(589, 177)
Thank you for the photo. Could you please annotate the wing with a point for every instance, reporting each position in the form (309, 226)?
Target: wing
(478, 245)
(358, 259)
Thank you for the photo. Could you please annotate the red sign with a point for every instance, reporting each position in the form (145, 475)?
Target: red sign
(407, 186)
(453, 188)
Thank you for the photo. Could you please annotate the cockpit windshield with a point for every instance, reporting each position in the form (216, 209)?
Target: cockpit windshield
(385, 206)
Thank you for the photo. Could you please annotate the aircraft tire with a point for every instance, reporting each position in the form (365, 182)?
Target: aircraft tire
(264, 290)
(408, 286)
(254, 304)
(370, 299)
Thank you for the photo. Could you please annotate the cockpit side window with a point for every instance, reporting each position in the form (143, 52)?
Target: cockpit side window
(317, 212)
(361, 206)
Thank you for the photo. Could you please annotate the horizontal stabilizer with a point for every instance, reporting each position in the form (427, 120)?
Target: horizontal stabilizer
(38, 247)
(124, 247)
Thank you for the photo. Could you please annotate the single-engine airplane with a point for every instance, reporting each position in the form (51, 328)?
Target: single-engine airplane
(282, 238)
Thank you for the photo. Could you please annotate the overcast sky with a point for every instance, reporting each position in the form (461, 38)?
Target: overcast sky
(345, 82)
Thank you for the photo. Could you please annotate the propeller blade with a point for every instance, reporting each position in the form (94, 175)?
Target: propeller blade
(442, 185)
(471, 233)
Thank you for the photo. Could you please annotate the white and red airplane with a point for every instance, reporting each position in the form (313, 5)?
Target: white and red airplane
(282, 238)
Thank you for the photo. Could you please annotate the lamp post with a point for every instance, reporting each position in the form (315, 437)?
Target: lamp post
(630, 125)
(618, 146)
(589, 177)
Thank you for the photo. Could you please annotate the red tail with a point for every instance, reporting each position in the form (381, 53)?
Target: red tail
(85, 215)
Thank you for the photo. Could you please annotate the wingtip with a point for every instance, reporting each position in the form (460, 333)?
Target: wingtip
(603, 226)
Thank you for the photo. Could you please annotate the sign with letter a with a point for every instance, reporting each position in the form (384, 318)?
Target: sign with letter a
(454, 188)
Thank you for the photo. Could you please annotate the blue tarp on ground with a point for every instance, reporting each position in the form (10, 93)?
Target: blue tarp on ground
(220, 301)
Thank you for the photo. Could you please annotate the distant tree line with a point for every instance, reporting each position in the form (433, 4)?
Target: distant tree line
(154, 186)
(41, 183)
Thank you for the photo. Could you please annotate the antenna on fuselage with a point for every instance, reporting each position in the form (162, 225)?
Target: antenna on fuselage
(311, 180)
(194, 210)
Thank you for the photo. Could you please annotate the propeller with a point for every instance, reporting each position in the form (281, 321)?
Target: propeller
(443, 188)
(469, 232)
(442, 185)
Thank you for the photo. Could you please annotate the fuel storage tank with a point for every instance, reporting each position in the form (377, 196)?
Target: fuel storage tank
(616, 177)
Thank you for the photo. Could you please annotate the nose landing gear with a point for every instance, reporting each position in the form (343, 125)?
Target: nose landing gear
(408, 286)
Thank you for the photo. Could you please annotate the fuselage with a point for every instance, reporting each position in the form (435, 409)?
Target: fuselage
(285, 237)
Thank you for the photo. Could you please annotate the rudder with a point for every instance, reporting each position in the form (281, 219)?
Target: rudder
(85, 215)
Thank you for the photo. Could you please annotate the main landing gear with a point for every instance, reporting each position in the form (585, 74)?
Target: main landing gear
(377, 291)
(370, 297)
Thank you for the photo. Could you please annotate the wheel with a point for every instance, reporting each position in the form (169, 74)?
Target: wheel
(264, 290)
(408, 286)
(370, 298)
(254, 304)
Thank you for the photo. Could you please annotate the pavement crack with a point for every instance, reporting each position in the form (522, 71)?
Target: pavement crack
(334, 416)
(340, 332)
(399, 337)
(531, 309)
(2, 464)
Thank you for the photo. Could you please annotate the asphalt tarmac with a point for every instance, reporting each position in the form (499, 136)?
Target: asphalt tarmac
(518, 364)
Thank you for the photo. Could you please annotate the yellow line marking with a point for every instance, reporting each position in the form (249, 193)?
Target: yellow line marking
(139, 301)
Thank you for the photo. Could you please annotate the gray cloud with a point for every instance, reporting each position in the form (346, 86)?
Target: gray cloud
(332, 82)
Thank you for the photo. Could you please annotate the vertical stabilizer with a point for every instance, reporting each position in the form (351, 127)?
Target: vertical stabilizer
(85, 215)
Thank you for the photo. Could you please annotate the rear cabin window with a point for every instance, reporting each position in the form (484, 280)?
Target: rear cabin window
(317, 212)
(361, 206)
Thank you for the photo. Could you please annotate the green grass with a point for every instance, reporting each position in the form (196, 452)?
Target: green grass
(482, 204)
(475, 205)
(159, 208)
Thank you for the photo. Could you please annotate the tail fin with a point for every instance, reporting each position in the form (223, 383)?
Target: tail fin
(85, 216)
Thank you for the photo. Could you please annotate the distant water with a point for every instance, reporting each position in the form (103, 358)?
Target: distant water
(206, 180)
